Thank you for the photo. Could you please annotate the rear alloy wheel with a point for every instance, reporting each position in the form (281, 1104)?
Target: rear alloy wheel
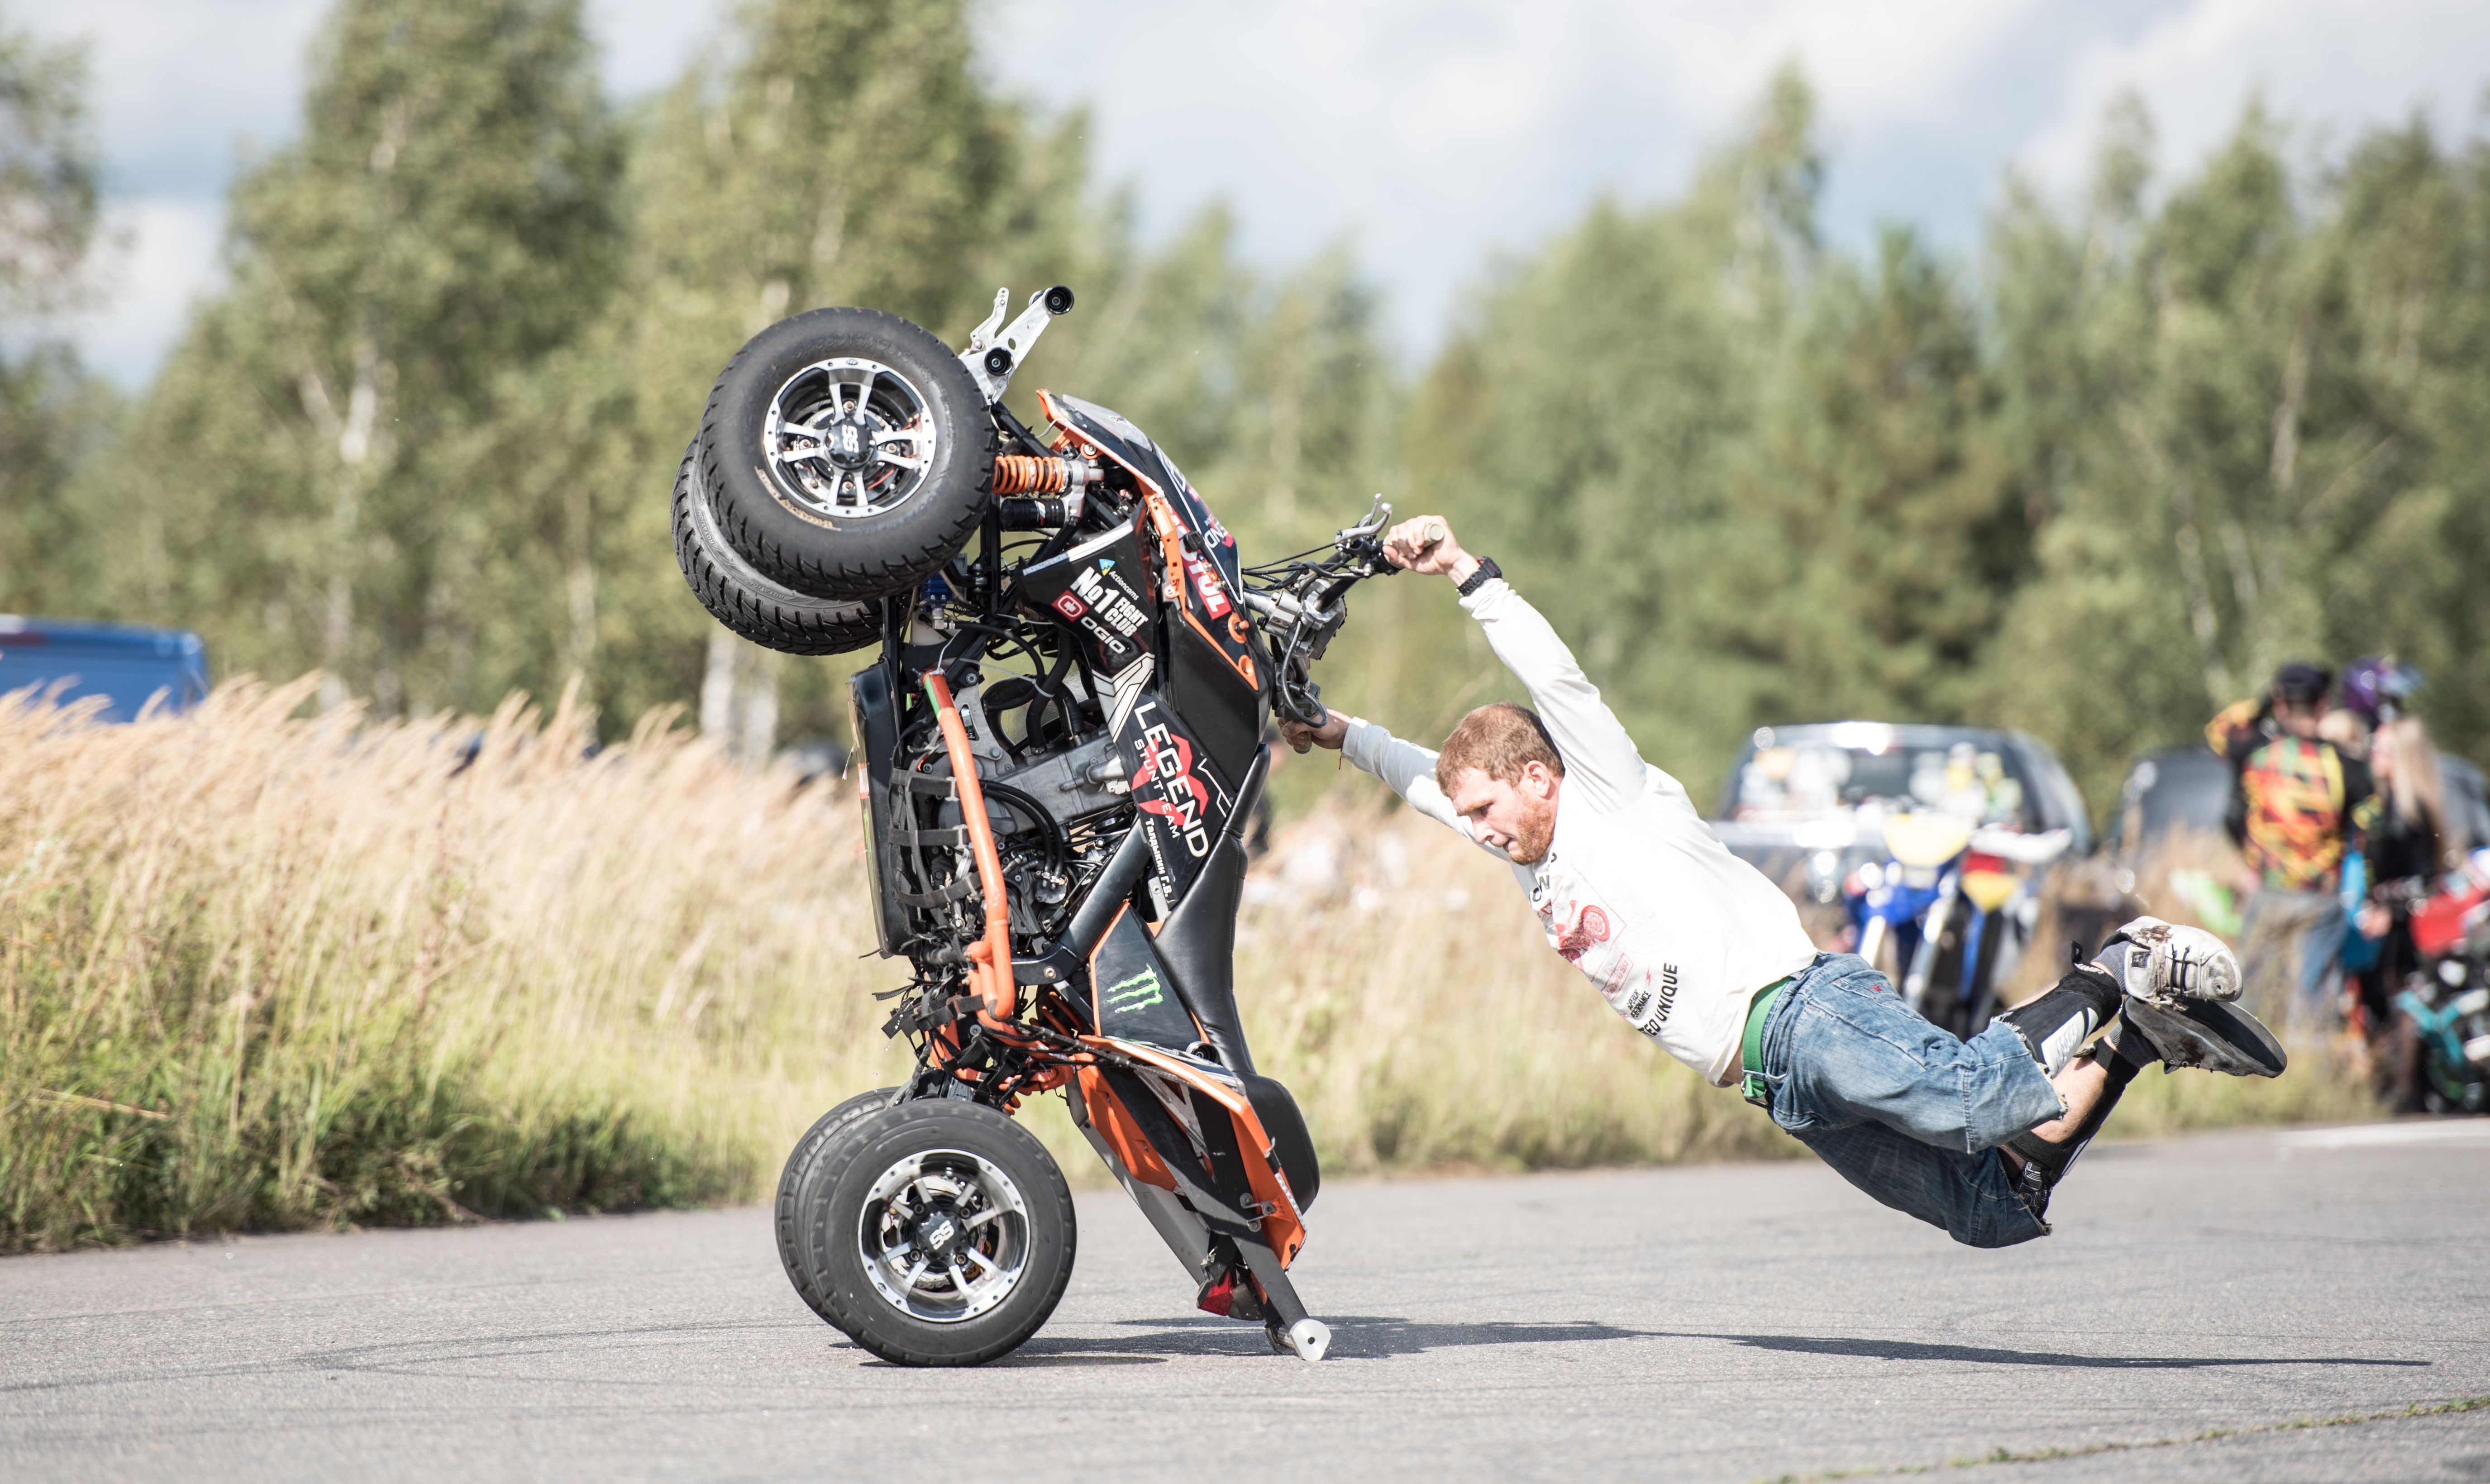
(936, 1232)
(848, 451)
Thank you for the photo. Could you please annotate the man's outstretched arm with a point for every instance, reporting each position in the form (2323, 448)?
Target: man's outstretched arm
(1601, 763)
(1406, 768)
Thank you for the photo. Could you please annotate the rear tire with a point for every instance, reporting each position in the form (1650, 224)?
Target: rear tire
(809, 1151)
(749, 604)
(848, 451)
(936, 1232)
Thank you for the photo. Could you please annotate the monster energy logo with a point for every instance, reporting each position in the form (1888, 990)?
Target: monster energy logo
(1138, 993)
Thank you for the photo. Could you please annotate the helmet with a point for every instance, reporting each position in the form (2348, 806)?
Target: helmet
(2379, 688)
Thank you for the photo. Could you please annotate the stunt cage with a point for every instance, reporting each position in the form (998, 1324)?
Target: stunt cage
(1058, 747)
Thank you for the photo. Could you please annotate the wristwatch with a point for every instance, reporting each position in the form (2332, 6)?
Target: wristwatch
(1477, 579)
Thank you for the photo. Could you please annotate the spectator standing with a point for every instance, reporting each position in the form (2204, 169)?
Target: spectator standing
(2300, 807)
(2411, 843)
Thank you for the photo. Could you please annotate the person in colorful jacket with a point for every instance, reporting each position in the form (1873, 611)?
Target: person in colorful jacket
(1697, 950)
(2301, 805)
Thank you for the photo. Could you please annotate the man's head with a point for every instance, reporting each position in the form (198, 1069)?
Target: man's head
(1501, 772)
(2300, 696)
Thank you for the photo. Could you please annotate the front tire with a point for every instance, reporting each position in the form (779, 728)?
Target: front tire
(936, 1232)
(808, 1155)
(849, 452)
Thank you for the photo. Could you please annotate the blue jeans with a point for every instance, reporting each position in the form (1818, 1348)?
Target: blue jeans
(1902, 1110)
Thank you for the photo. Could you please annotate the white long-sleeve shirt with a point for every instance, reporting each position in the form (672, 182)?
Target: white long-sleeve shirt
(1635, 890)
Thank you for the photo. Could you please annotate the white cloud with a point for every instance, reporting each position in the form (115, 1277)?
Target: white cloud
(1428, 132)
(2329, 67)
(165, 257)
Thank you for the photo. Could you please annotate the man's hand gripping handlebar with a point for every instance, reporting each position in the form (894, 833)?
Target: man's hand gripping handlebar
(1422, 543)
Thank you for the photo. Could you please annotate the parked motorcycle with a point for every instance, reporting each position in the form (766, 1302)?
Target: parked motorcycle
(2448, 997)
(1950, 910)
(1058, 750)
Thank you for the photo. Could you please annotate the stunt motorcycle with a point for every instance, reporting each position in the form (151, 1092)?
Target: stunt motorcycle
(1058, 747)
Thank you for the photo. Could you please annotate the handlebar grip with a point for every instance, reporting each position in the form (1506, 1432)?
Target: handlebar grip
(1434, 531)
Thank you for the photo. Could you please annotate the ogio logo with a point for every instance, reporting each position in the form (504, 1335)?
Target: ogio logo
(1138, 993)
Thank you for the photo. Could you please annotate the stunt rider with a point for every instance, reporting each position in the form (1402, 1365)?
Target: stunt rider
(1697, 950)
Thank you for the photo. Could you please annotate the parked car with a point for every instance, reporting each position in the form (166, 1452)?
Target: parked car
(2174, 788)
(1807, 804)
(127, 665)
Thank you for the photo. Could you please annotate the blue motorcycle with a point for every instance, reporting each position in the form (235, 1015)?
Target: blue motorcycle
(1949, 911)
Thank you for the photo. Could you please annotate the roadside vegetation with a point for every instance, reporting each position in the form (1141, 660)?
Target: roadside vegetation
(263, 970)
(290, 964)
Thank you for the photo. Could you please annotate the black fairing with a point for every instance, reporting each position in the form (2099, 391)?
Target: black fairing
(1225, 715)
(1287, 1128)
(875, 717)
(1197, 943)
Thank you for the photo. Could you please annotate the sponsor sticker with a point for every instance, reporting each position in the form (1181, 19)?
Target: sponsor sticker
(1207, 584)
(1070, 606)
(1183, 801)
(1138, 993)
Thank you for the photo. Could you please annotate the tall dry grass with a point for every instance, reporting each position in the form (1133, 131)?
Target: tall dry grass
(262, 970)
(259, 970)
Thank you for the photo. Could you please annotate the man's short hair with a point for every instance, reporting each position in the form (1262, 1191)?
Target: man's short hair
(1497, 740)
(2301, 685)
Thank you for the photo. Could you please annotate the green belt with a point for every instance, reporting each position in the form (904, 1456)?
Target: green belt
(1751, 1046)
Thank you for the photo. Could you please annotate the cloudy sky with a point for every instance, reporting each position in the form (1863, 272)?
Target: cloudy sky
(1429, 135)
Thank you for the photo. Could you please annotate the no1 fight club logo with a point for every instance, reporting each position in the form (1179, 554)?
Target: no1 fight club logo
(1110, 615)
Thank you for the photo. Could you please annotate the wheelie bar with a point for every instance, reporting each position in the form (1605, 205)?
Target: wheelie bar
(1300, 1332)
(1184, 1231)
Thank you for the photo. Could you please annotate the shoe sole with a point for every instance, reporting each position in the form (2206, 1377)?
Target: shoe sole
(2209, 1034)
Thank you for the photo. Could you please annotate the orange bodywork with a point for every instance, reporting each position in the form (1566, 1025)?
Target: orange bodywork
(1283, 1224)
(990, 958)
(1118, 1130)
(1171, 532)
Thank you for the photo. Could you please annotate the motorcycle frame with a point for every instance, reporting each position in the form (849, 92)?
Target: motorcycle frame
(993, 1024)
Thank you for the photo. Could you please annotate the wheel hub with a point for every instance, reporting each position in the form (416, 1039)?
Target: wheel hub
(943, 1236)
(937, 1232)
(847, 437)
(849, 442)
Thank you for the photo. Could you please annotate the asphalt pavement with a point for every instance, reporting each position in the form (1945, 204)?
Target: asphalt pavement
(2266, 1305)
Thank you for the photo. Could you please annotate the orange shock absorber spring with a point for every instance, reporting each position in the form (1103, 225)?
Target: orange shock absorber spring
(1026, 473)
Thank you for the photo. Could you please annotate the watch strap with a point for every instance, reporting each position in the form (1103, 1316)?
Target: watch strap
(1478, 579)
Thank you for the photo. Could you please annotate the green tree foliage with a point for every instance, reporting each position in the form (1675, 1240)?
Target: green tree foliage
(1880, 537)
(1587, 424)
(2251, 423)
(2095, 483)
(319, 456)
(50, 412)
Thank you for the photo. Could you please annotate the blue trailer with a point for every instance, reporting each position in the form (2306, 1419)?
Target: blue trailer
(128, 665)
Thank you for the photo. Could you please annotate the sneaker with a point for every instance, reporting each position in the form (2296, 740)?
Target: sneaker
(2165, 964)
(2211, 1034)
